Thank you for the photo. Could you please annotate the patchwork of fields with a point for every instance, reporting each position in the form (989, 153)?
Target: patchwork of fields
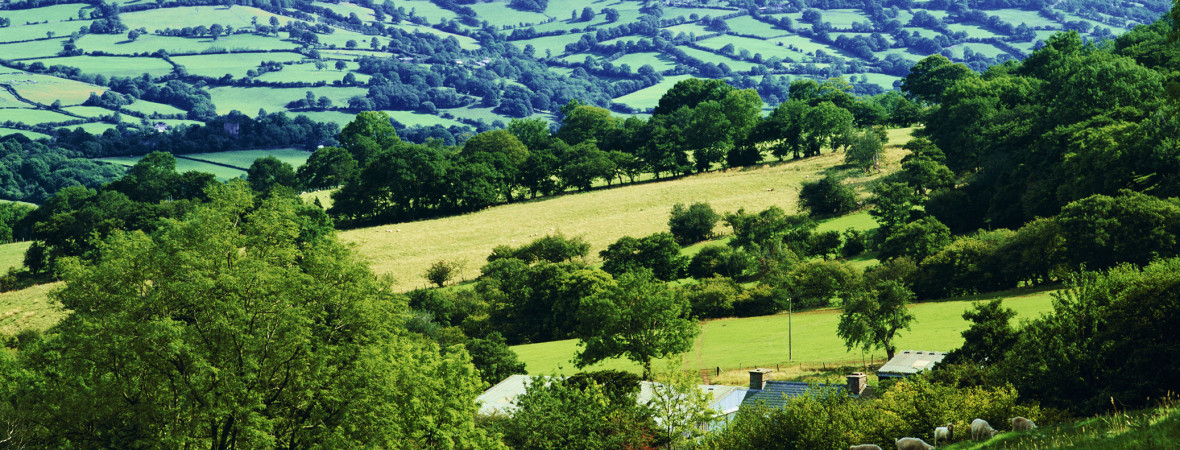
(236, 64)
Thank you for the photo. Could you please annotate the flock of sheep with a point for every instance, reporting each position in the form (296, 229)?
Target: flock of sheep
(980, 429)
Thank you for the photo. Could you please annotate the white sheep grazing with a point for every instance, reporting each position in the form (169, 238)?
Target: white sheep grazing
(864, 447)
(910, 443)
(946, 433)
(981, 429)
(1022, 424)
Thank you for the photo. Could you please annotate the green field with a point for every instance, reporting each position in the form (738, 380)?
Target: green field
(763, 341)
(971, 30)
(636, 60)
(554, 44)
(88, 111)
(1019, 16)
(236, 64)
(188, 16)
(184, 165)
(988, 50)
(649, 96)
(147, 107)
(7, 100)
(602, 216)
(13, 254)
(465, 42)
(29, 134)
(113, 66)
(309, 73)
(767, 48)
(345, 9)
(498, 14)
(750, 25)
(29, 309)
(687, 28)
(244, 158)
(35, 49)
(843, 18)
(45, 89)
(29, 116)
(431, 12)
(55, 13)
(249, 99)
(95, 128)
(26, 32)
(119, 45)
(411, 118)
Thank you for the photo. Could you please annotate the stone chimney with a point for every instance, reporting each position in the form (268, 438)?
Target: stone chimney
(857, 381)
(758, 378)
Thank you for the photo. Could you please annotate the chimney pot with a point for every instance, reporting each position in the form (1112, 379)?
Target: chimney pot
(758, 378)
(857, 381)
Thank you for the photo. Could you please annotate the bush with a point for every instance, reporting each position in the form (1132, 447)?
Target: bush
(918, 239)
(827, 197)
(713, 297)
(855, 243)
(826, 244)
(760, 300)
(692, 224)
(719, 260)
(814, 284)
(658, 252)
(442, 272)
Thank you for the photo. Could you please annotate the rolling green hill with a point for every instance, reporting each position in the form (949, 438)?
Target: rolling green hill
(513, 63)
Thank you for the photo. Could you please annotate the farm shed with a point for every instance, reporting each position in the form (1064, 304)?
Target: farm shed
(909, 362)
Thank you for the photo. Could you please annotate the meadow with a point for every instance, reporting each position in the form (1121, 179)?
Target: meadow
(43, 30)
(45, 89)
(95, 128)
(657, 61)
(147, 107)
(119, 45)
(244, 158)
(13, 254)
(34, 49)
(29, 308)
(27, 133)
(308, 73)
(187, 16)
(808, 340)
(184, 165)
(55, 13)
(236, 64)
(649, 97)
(601, 216)
(29, 116)
(113, 66)
(249, 99)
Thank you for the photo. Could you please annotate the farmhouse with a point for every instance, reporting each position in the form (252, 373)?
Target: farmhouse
(909, 362)
(775, 394)
(501, 398)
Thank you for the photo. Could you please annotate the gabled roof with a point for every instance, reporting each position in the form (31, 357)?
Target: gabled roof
(775, 394)
(501, 398)
(909, 362)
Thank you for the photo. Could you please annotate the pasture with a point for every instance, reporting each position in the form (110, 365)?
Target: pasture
(88, 111)
(17, 32)
(236, 64)
(29, 134)
(29, 309)
(7, 100)
(35, 49)
(465, 42)
(95, 128)
(244, 158)
(186, 16)
(249, 99)
(428, 10)
(658, 61)
(147, 107)
(734, 64)
(119, 45)
(750, 25)
(309, 73)
(649, 97)
(554, 44)
(183, 165)
(602, 216)
(411, 118)
(45, 89)
(113, 66)
(498, 14)
(12, 254)
(767, 48)
(734, 344)
(29, 116)
(54, 13)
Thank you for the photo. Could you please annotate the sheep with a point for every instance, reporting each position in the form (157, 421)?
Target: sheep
(864, 447)
(981, 429)
(909, 443)
(947, 433)
(1022, 424)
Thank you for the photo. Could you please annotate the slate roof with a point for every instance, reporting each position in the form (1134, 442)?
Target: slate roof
(775, 394)
(500, 399)
(909, 362)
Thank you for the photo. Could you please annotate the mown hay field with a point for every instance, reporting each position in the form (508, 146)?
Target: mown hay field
(602, 216)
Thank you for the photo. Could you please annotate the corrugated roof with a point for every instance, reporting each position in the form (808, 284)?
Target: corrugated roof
(910, 362)
(775, 394)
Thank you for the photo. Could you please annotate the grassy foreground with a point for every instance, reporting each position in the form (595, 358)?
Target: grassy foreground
(736, 343)
(601, 216)
(1155, 428)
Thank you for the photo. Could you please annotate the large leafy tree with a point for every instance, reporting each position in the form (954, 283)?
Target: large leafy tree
(658, 253)
(269, 172)
(368, 134)
(873, 318)
(639, 318)
(931, 76)
(327, 167)
(243, 324)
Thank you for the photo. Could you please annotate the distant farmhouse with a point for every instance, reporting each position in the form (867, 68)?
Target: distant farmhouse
(775, 394)
(909, 362)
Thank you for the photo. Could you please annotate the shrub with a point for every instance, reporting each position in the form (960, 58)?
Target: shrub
(827, 197)
(713, 297)
(814, 284)
(692, 224)
(719, 260)
(825, 244)
(854, 243)
(442, 272)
